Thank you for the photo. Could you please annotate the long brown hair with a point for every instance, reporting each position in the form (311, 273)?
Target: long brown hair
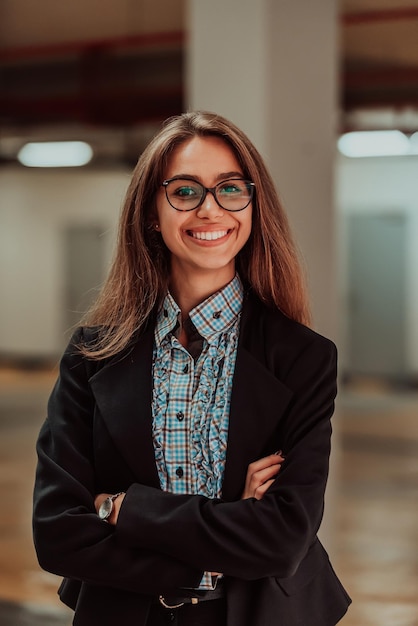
(139, 275)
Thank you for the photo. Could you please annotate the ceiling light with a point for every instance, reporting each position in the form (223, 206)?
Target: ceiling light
(55, 154)
(374, 143)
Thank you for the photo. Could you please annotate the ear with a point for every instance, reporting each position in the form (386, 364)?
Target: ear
(153, 225)
(152, 217)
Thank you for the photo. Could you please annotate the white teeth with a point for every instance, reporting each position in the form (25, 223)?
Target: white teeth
(209, 235)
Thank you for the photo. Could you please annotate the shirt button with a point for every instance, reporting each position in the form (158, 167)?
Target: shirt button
(180, 416)
(180, 472)
(165, 313)
(217, 315)
(185, 369)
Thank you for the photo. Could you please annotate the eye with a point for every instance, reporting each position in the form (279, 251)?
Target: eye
(232, 188)
(185, 191)
(184, 194)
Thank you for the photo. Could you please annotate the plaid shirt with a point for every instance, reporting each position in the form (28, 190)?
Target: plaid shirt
(192, 392)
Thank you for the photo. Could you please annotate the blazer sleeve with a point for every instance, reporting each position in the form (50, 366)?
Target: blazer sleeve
(70, 539)
(252, 538)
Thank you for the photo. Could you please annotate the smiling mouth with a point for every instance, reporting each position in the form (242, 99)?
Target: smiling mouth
(208, 235)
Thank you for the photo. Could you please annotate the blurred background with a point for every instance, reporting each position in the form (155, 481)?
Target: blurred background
(328, 91)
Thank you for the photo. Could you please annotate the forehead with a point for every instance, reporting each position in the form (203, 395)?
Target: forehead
(202, 156)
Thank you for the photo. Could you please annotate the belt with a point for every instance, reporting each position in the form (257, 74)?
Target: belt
(176, 601)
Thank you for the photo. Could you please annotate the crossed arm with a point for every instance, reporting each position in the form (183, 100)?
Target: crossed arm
(260, 476)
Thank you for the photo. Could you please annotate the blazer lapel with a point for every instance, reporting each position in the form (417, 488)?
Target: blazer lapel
(258, 400)
(123, 392)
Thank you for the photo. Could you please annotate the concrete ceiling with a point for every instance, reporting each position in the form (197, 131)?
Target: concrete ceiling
(62, 65)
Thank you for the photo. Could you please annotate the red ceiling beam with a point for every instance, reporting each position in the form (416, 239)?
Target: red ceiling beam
(118, 107)
(393, 101)
(380, 15)
(149, 40)
(381, 77)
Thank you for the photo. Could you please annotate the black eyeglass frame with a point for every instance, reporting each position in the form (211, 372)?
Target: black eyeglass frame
(249, 184)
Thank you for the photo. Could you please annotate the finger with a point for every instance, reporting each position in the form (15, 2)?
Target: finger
(268, 468)
(257, 489)
(254, 480)
(261, 476)
(271, 459)
(266, 461)
(254, 484)
(261, 490)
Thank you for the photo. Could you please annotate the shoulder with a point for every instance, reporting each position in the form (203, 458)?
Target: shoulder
(75, 359)
(86, 343)
(83, 336)
(273, 336)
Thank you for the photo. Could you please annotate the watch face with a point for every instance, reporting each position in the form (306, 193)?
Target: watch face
(105, 508)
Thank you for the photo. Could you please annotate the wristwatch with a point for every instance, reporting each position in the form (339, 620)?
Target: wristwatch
(106, 507)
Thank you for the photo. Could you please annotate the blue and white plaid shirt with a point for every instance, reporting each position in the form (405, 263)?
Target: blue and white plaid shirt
(192, 392)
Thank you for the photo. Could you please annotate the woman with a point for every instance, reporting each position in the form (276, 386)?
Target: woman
(183, 463)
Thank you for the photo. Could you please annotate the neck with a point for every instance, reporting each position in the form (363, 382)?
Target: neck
(189, 290)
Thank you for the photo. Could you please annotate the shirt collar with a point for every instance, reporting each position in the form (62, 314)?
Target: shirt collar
(211, 317)
(168, 317)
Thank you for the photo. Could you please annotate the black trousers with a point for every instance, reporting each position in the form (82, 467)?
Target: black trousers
(209, 613)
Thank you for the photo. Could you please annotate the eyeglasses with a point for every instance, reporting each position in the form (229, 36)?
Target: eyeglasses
(187, 194)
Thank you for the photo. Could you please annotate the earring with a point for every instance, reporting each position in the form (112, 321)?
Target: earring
(157, 226)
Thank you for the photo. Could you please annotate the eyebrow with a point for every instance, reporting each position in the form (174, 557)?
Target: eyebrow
(219, 177)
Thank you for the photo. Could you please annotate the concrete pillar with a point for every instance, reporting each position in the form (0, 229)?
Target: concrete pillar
(271, 67)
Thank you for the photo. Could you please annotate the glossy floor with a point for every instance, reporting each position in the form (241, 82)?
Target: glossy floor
(372, 520)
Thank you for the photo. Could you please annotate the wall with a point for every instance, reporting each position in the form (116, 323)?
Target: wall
(35, 208)
(383, 185)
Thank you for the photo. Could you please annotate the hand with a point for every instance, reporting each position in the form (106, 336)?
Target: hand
(260, 475)
(101, 497)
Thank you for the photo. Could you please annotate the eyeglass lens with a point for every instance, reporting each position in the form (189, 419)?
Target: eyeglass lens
(186, 195)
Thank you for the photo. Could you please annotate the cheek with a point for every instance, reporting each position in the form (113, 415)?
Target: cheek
(246, 225)
(171, 228)
(171, 222)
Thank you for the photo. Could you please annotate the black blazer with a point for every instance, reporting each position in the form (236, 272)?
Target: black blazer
(97, 438)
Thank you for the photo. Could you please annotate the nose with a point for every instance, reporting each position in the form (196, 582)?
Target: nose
(209, 206)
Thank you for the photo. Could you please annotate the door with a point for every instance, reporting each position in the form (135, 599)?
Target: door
(84, 270)
(377, 295)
